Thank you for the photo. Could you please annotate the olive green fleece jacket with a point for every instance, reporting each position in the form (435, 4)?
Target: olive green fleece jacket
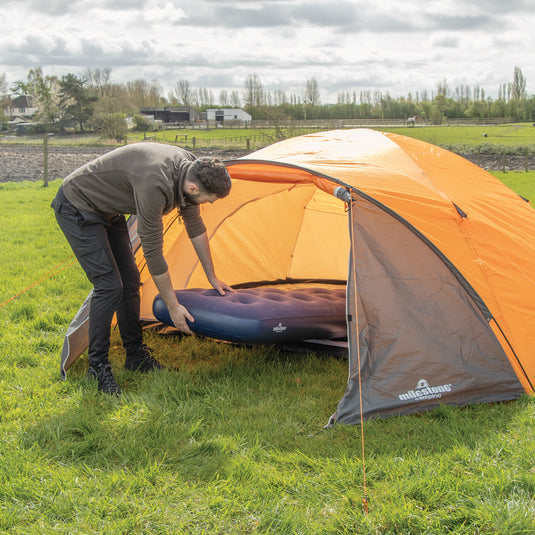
(144, 179)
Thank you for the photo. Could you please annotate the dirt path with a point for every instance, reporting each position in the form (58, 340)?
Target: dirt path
(18, 163)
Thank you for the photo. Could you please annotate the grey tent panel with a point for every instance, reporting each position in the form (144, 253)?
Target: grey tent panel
(77, 337)
(423, 340)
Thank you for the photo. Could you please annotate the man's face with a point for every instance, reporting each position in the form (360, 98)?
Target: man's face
(198, 197)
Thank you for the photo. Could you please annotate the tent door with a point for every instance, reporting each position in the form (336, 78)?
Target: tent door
(423, 340)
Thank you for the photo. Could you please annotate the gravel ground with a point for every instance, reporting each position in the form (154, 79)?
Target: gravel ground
(19, 163)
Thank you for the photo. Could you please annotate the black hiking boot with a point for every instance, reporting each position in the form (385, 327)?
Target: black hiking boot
(104, 376)
(141, 360)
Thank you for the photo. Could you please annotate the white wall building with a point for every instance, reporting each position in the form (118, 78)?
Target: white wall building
(223, 115)
(21, 106)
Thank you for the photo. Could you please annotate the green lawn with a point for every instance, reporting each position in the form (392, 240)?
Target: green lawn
(521, 134)
(231, 440)
(510, 137)
(520, 181)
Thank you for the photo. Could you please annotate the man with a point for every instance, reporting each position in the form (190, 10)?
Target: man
(149, 180)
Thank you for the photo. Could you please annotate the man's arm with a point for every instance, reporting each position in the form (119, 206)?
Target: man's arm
(178, 313)
(202, 248)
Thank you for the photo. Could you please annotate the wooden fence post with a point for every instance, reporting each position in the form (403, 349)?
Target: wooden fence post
(45, 160)
(194, 143)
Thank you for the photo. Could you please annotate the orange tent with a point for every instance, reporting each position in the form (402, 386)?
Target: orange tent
(441, 256)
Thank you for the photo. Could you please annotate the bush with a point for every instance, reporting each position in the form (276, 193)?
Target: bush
(111, 125)
(142, 124)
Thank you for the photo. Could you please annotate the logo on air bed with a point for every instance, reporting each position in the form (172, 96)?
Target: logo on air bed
(280, 328)
(424, 391)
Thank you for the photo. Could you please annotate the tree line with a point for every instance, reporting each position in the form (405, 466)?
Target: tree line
(92, 101)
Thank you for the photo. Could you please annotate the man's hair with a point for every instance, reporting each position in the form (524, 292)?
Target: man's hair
(211, 176)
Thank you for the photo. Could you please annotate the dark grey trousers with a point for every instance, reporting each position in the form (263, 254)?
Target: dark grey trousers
(102, 247)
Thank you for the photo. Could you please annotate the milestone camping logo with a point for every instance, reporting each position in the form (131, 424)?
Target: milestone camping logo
(423, 392)
(280, 328)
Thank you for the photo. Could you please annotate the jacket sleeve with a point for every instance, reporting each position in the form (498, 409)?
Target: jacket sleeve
(150, 205)
(191, 215)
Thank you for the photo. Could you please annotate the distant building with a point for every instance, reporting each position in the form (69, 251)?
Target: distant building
(223, 115)
(20, 107)
(172, 114)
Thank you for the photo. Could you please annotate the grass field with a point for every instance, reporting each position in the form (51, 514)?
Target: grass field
(516, 135)
(511, 137)
(508, 137)
(231, 440)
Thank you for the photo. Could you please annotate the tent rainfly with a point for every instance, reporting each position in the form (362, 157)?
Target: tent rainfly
(437, 255)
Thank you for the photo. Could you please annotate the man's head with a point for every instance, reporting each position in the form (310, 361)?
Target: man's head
(207, 180)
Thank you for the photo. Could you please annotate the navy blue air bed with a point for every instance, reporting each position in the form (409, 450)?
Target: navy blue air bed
(263, 315)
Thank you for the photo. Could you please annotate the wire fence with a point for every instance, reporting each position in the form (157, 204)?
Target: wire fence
(193, 143)
(494, 157)
(489, 157)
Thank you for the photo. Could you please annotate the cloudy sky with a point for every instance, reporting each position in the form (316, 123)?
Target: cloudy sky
(395, 46)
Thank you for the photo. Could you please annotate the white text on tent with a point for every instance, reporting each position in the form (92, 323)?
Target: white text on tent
(428, 392)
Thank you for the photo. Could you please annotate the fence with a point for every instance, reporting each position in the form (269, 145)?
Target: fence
(244, 142)
(331, 124)
(187, 141)
(498, 159)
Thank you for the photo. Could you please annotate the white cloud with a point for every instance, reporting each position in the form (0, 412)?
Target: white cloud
(162, 12)
(393, 46)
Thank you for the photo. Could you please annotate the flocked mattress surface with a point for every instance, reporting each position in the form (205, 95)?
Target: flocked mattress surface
(263, 315)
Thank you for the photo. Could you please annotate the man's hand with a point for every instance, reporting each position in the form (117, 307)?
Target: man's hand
(202, 248)
(220, 286)
(179, 314)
